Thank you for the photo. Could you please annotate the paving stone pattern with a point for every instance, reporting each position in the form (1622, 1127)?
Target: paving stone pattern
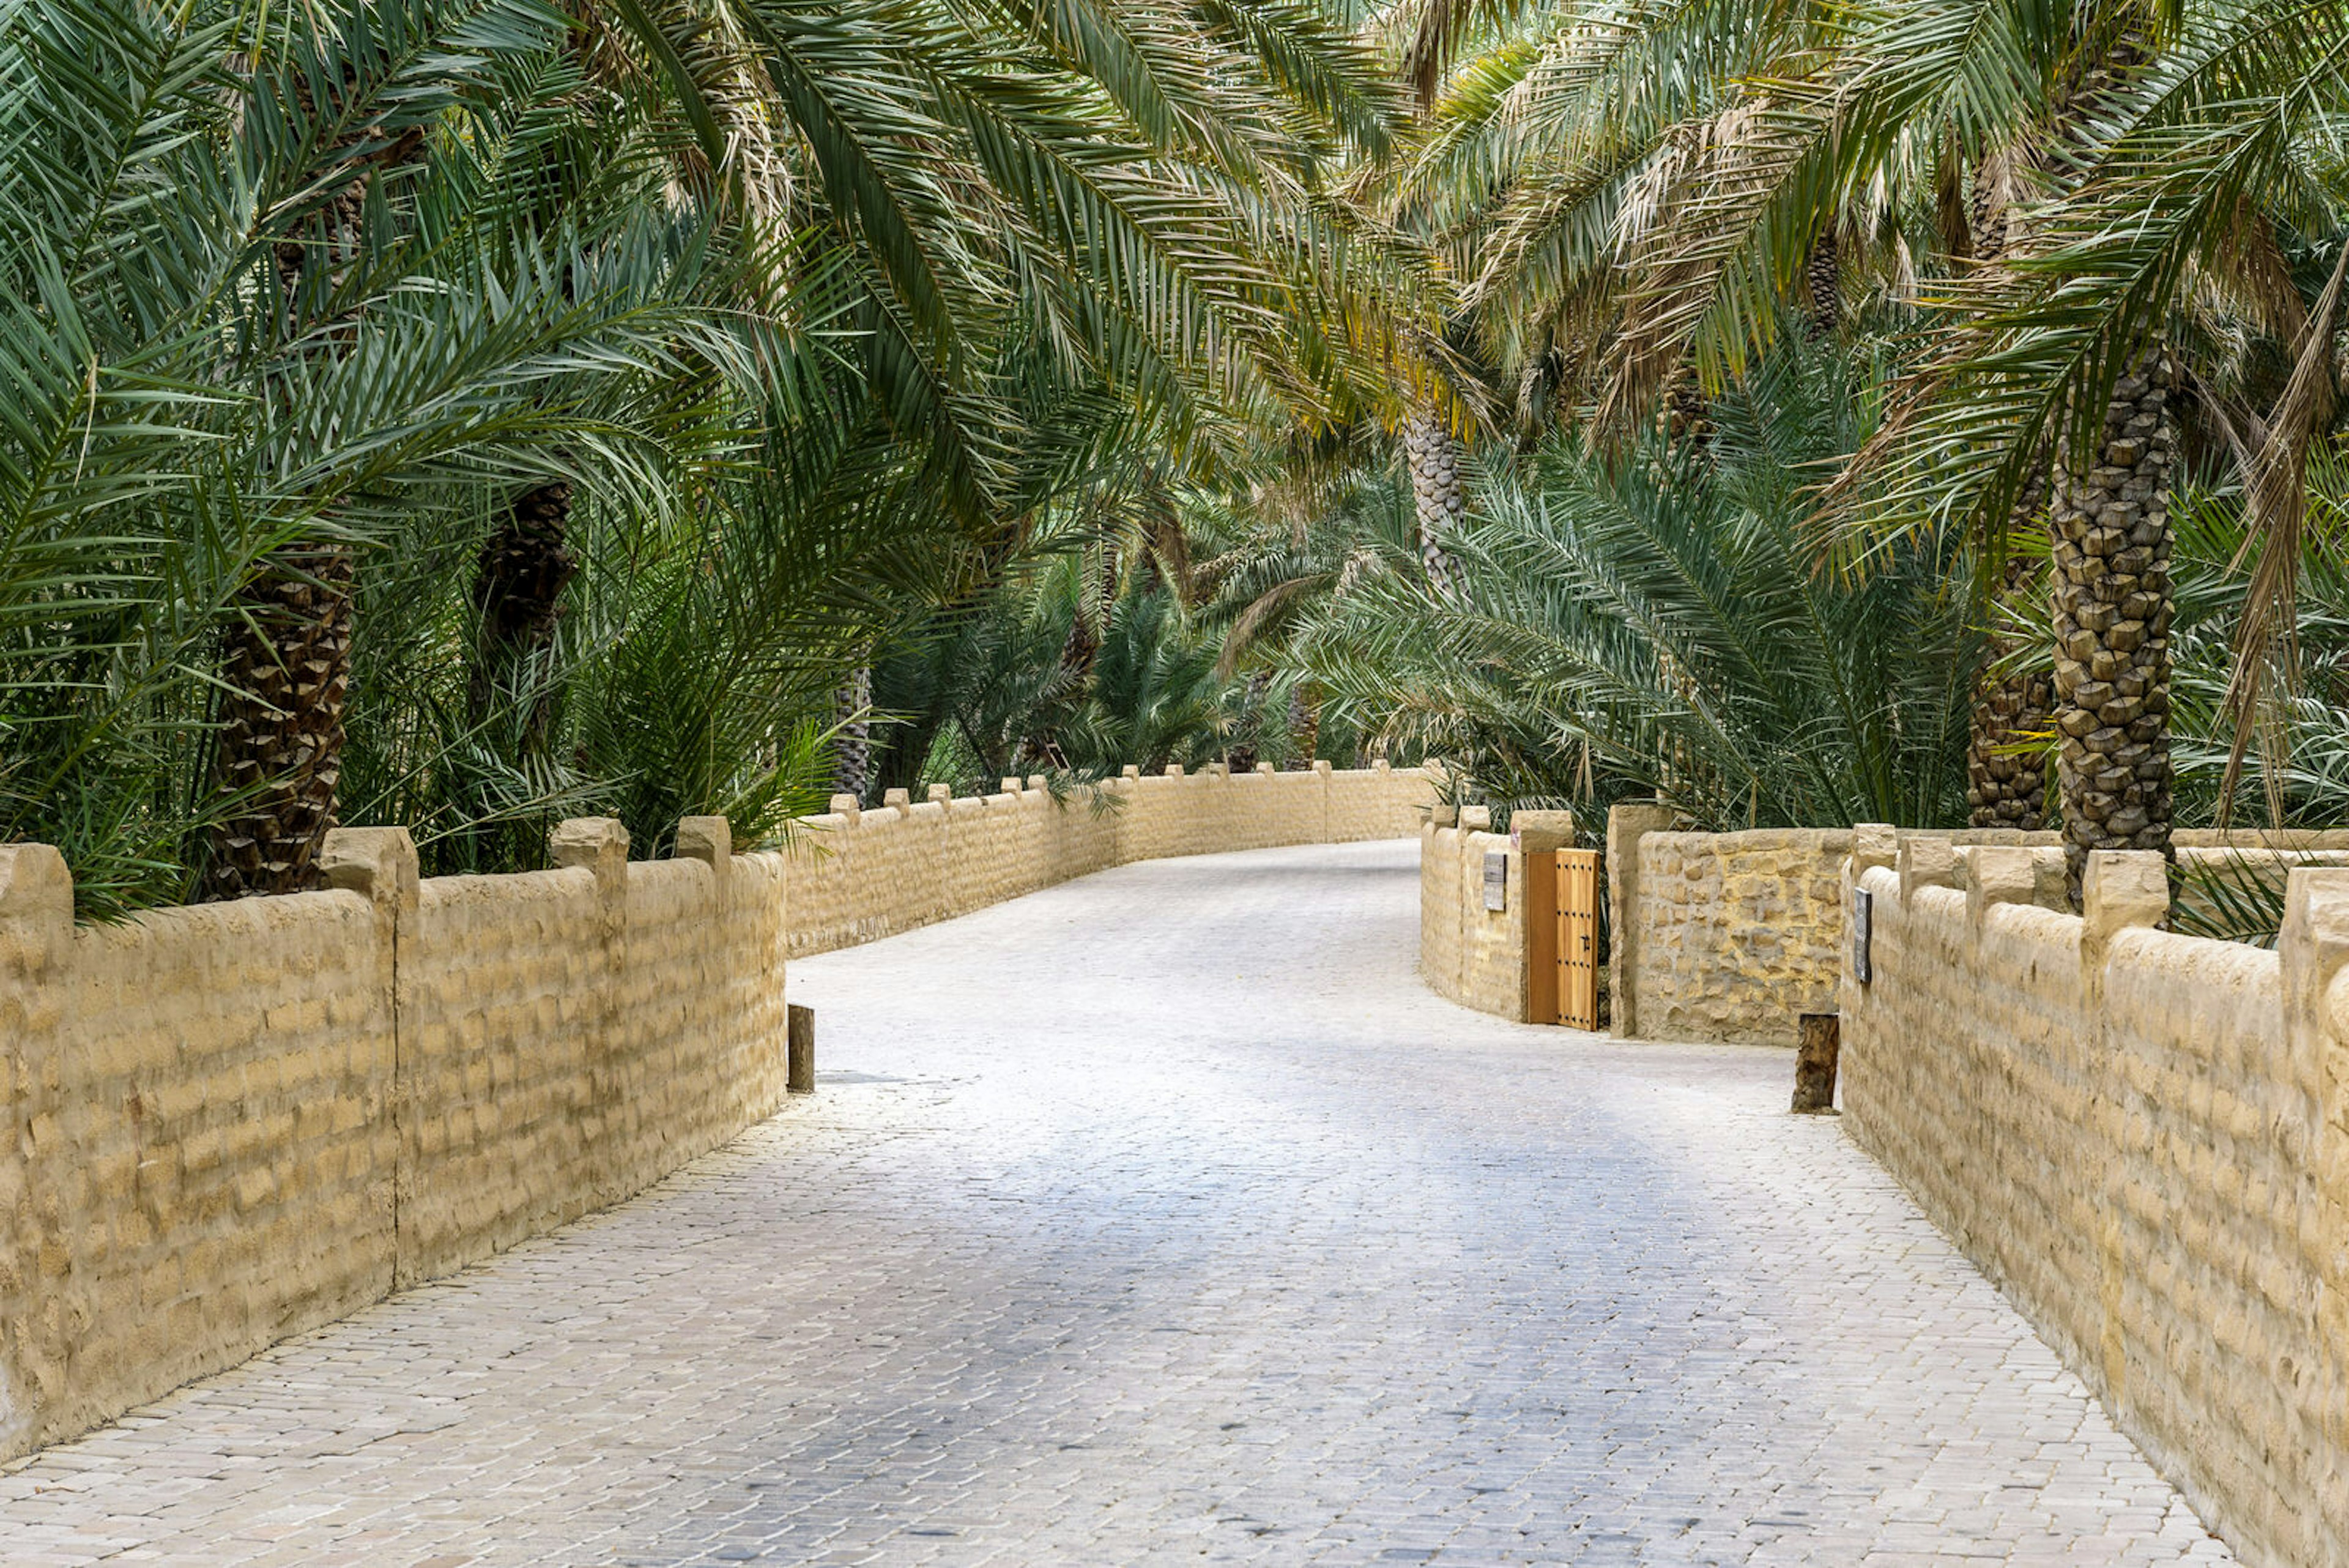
(1164, 1216)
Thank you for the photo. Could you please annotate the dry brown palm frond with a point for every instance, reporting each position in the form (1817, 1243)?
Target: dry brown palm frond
(2275, 494)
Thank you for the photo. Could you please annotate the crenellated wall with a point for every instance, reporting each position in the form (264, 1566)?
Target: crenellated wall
(224, 1124)
(856, 876)
(2140, 1137)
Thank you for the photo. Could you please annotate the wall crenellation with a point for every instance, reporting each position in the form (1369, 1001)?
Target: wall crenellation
(224, 1124)
(868, 874)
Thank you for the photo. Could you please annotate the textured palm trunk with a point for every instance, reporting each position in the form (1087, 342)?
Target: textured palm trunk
(1242, 758)
(2112, 607)
(1437, 493)
(852, 748)
(2005, 788)
(1304, 726)
(1823, 275)
(286, 665)
(286, 658)
(286, 662)
(518, 585)
(2006, 781)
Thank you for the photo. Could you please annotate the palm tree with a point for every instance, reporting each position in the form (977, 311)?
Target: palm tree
(2169, 203)
(1652, 621)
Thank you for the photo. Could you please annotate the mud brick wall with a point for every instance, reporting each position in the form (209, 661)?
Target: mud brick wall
(2140, 1138)
(854, 875)
(1467, 953)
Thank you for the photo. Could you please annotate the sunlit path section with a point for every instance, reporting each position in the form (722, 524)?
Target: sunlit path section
(1164, 1216)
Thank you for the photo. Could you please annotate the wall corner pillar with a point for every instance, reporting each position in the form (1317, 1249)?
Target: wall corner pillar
(2123, 890)
(380, 865)
(1925, 862)
(599, 846)
(2313, 952)
(1626, 824)
(1997, 875)
(36, 951)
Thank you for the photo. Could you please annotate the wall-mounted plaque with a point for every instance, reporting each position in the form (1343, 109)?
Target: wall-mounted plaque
(1863, 917)
(1497, 880)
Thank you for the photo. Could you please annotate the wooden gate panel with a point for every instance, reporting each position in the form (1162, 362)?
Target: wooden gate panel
(1541, 938)
(1576, 876)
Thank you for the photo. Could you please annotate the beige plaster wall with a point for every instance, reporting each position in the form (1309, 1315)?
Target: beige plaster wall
(2140, 1138)
(1467, 953)
(228, 1123)
(856, 876)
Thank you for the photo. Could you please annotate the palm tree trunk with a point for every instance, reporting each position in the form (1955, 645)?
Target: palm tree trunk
(1242, 758)
(2005, 788)
(518, 585)
(286, 662)
(285, 658)
(2112, 605)
(852, 748)
(1304, 726)
(1437, 493)
(1824, 275)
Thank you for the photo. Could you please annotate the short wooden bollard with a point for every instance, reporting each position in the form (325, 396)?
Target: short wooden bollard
(800, 1033)
(1820, 1043)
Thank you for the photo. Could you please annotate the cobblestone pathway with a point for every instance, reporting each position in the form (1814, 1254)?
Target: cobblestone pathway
(1165, 1218)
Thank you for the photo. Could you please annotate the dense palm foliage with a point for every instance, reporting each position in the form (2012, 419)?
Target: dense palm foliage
(462, 413)
(1655, 622)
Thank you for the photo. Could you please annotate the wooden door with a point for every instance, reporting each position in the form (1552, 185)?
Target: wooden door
(1541, 936)
(1576, 880)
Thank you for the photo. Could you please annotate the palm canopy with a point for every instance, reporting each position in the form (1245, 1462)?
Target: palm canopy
(1633, 188)
(813, 309)
(1653, 622)
(1136, 185)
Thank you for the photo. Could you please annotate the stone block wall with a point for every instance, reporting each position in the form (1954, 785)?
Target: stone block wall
(224, 1125)
(2140, 1137)
(1731, 937)
(1734, 935)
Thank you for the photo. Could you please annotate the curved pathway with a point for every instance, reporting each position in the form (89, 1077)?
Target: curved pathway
(1164, 1216)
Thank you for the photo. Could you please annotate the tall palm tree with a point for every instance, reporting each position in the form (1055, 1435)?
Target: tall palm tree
(271, 286)
(2165, 207)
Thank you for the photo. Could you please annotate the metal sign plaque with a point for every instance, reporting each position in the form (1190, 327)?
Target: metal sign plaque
(1863, 918)
(1497, 880)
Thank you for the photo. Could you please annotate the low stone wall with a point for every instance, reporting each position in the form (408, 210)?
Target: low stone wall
(1467, 953)
(1730, 937)
(227, 1124)
(856, 876)
(230, 1123)
(2141, 1138)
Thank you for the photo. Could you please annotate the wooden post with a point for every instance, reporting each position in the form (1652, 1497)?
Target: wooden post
(1815, 1062)
(801, 1035)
